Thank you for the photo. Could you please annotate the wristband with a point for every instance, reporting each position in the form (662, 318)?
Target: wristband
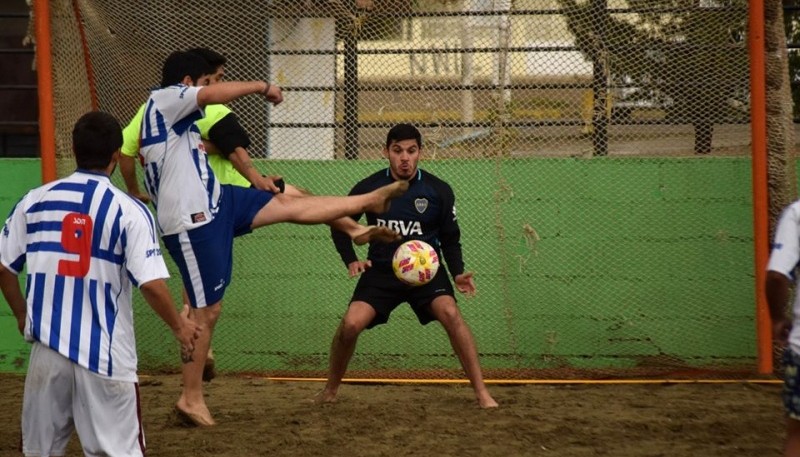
(280, 184)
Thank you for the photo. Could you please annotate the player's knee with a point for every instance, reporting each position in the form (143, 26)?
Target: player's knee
(209, 314)
(350, 328)
(294, 191)
(449, 315)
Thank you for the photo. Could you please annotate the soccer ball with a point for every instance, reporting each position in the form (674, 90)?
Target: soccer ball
(415, 262)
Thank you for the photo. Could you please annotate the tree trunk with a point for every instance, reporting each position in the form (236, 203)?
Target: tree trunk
(782, 180)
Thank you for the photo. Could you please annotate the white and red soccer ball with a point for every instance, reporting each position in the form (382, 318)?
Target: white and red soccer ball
(415, 262)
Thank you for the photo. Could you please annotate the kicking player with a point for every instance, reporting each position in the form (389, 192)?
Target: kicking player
(425, 212)
(199, 218)
(226, 143)
(85, 243)
(224, 139)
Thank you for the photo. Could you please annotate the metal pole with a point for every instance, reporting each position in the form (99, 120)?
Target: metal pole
(350, 95)
(44, 71)
(599, 81)
(502, 75)
(758, 126)
(467, 74)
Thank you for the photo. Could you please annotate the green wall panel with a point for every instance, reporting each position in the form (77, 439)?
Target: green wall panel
(584, 264)
(17, 176)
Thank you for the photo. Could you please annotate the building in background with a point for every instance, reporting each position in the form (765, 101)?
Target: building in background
(19, 109)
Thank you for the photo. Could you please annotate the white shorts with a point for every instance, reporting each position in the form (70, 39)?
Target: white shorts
(61, 396)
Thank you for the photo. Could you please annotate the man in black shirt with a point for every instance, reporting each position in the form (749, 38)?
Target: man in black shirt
(425, 212)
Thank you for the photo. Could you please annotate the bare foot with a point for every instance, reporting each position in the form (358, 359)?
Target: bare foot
(325, 397)
(378, 234)
(486, 402)
(385, 194)
(199, 416)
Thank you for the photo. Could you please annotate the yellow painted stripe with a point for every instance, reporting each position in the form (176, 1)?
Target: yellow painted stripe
(537, 381)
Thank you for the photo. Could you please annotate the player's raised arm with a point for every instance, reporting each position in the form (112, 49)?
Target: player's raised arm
(228, 138)
(225, 92)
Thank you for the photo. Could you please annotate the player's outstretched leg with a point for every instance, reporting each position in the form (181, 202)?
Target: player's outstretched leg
(374, 233)
(361, 234)
(386, 194)
(358, 233)
(325, 209)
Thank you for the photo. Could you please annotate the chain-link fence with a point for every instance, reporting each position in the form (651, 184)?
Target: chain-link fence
(599, 151)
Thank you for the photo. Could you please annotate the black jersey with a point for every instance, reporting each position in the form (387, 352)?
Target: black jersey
(425, 212)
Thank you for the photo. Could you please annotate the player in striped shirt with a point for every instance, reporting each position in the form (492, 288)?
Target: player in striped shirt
(85, 244)
(781, 278)
(226, 142)
(219, 126)
(199, 218)
(223, 137)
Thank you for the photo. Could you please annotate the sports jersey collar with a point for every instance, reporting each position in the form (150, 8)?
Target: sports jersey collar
(93, 173)
(178, 85)
(419, 173)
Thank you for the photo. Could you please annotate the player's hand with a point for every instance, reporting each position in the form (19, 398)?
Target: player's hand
(188, 332)
(780, 331)
(21, 324)
(211, 148)
(465, 284)
(141, 196)
(358, 267)
(274, 94)
(268, 183)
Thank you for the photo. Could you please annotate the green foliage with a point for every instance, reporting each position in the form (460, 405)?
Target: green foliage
(791, 20)
(686, 55)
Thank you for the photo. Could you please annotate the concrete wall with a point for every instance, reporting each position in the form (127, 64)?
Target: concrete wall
(602, 264)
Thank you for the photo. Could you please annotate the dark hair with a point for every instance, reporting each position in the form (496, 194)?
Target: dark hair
(180, 64)
(95, 138)
(402, 132)
(213, 58)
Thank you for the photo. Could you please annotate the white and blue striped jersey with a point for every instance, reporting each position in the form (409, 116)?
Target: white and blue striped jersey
(178, 178)
(84, 243)
(785, 258)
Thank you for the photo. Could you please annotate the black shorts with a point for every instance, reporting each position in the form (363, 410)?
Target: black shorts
(380, 288)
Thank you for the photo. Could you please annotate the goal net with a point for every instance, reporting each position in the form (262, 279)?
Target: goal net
(598, 150)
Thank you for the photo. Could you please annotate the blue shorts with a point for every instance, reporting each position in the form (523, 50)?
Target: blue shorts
(791, 383)
(204, 255)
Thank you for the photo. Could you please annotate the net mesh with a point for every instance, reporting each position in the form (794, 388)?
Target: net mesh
(599, 151)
